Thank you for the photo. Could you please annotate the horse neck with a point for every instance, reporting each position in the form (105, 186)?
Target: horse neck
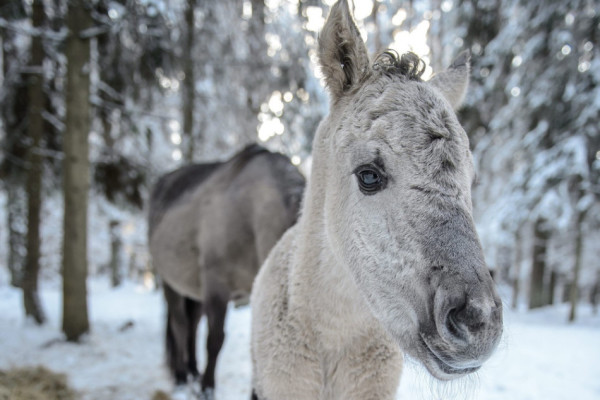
(312, 244)
(322, 279)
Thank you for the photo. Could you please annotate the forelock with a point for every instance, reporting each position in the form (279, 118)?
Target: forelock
(408, 65)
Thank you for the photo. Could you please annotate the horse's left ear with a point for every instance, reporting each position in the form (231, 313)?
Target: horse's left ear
(342, 52)
(453, 82)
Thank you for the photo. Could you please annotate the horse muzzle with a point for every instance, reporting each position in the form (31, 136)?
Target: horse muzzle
(468, 328)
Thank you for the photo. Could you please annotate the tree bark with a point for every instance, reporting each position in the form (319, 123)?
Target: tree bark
(35, 127)
(436, 35)
(189, 90)
(516, 271)
(538, 268)
(595, 294)
(76, 173)
(115, 251)
(376, 27)
(574, 290)
(410, 14)
(15, 213)
(15, 201)
(550, 295)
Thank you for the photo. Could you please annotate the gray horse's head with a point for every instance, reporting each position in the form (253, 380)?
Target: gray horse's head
(396, 173)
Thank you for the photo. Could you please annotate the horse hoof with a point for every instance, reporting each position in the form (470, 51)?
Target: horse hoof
(195, 389)
(207, 394)
(180, 392)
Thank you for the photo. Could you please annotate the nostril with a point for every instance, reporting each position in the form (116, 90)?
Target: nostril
(454, 325)
(472, 317)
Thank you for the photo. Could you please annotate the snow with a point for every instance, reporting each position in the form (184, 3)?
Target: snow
(540, 357)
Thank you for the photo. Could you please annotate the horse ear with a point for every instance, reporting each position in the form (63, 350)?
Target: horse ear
(342, 52)
(453, 82)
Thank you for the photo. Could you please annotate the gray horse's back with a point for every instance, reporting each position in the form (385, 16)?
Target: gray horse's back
(173, 186)
(212, 225)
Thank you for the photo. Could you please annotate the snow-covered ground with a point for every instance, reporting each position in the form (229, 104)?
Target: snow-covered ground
(541, 356)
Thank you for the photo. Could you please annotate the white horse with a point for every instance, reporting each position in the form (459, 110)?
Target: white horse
(384, 259)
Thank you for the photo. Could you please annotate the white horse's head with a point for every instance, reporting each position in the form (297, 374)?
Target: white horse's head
(394, 169)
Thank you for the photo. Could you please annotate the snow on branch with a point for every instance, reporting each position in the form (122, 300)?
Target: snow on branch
(53, 120)
(48, 153)
(32, 69)
(106, 88)
(30, 31)
(125, 110)
(94, 31)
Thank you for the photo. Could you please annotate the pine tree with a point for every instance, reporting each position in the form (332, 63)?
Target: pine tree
(76, 173)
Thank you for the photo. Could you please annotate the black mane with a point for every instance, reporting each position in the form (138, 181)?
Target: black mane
(408, 64)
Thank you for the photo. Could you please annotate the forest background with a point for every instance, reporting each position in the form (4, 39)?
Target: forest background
(99, 98)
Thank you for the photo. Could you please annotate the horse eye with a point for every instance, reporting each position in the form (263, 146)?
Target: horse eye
(370, 180)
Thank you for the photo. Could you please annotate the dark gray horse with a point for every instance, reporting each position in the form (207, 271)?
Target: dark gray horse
(211, 226)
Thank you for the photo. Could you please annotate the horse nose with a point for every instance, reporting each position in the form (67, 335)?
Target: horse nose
(470, 317)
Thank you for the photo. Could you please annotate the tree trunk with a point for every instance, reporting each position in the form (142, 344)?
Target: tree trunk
(574, 290)
(550, 295)
(15, 200)
(436, 35)
(35, 121)
(15, 213)
(595, 294)
(115, 251)
(76, 173)
(538, 268)
(189, 91)
(516, 271)
(376, 27)
(132, 267)
(566, 292)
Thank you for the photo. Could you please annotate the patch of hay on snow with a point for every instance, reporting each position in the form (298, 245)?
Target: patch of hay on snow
(34, 383)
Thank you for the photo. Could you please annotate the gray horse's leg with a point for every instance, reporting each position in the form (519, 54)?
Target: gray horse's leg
(216, 309)
(193, 310)
(176, 335)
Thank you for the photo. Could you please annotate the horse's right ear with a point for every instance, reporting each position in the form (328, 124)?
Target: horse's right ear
(342, 52)
(454, 81)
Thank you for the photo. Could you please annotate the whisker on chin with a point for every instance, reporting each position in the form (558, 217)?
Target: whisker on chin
(464, 388)
(430, 388)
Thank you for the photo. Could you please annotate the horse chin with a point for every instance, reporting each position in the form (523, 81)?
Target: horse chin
(438, 367)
